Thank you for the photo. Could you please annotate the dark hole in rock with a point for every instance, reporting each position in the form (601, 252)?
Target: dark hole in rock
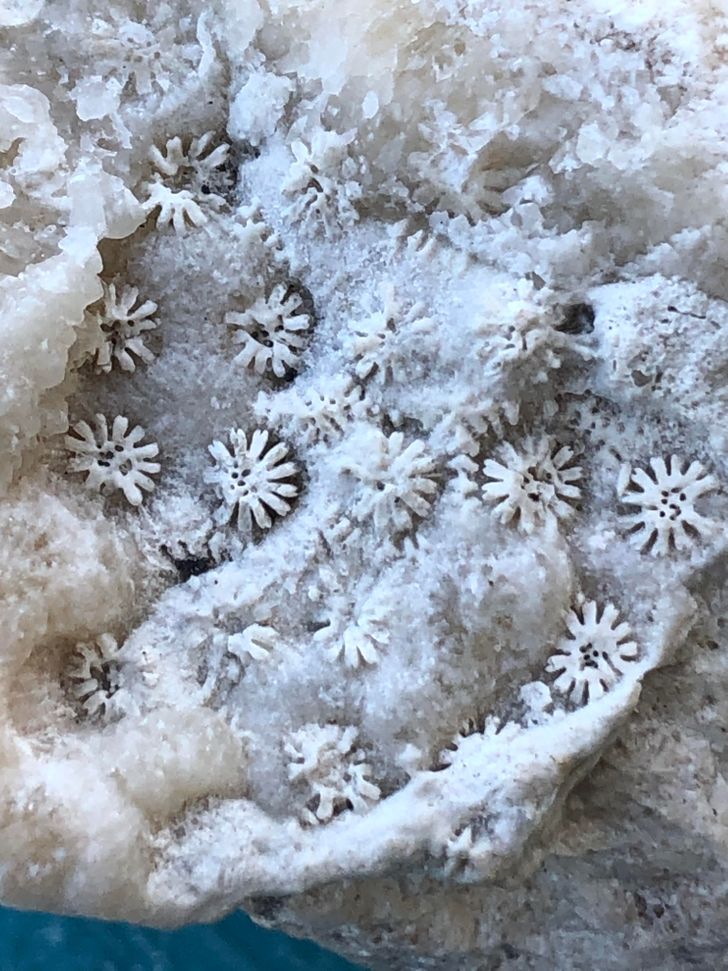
(265, 908)
(189, 566)
(578, 318)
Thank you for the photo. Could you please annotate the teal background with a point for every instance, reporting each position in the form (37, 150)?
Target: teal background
(40, 942)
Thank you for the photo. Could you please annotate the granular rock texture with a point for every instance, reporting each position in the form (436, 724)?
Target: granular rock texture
(363, 473)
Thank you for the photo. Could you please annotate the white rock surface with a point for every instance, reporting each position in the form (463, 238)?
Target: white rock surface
(363, 473)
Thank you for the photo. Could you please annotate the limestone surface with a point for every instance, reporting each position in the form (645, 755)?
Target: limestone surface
(363, 470)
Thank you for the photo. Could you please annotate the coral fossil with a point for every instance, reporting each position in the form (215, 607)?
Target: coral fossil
(593, 656)
(666, 518)
(359, 633)
(533, 485)
(318, 416)
(96, 677)
(323, 181)
(271, 332)
(132, 50)
(113, 461)
(123, 325)
(325, 763)
(396, 480)
(249, 477)
(382, 343)
(184, 201)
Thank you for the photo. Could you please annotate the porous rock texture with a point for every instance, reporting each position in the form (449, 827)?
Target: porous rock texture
(363, 463)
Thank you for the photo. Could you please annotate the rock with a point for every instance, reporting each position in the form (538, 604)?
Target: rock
(364, 475)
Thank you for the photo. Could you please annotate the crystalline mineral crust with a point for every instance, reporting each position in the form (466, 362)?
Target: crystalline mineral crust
(363, 469)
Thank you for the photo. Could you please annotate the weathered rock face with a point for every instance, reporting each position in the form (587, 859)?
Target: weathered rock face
(363, 473)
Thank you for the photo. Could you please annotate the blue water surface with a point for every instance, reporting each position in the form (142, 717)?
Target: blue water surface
(40, 942)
